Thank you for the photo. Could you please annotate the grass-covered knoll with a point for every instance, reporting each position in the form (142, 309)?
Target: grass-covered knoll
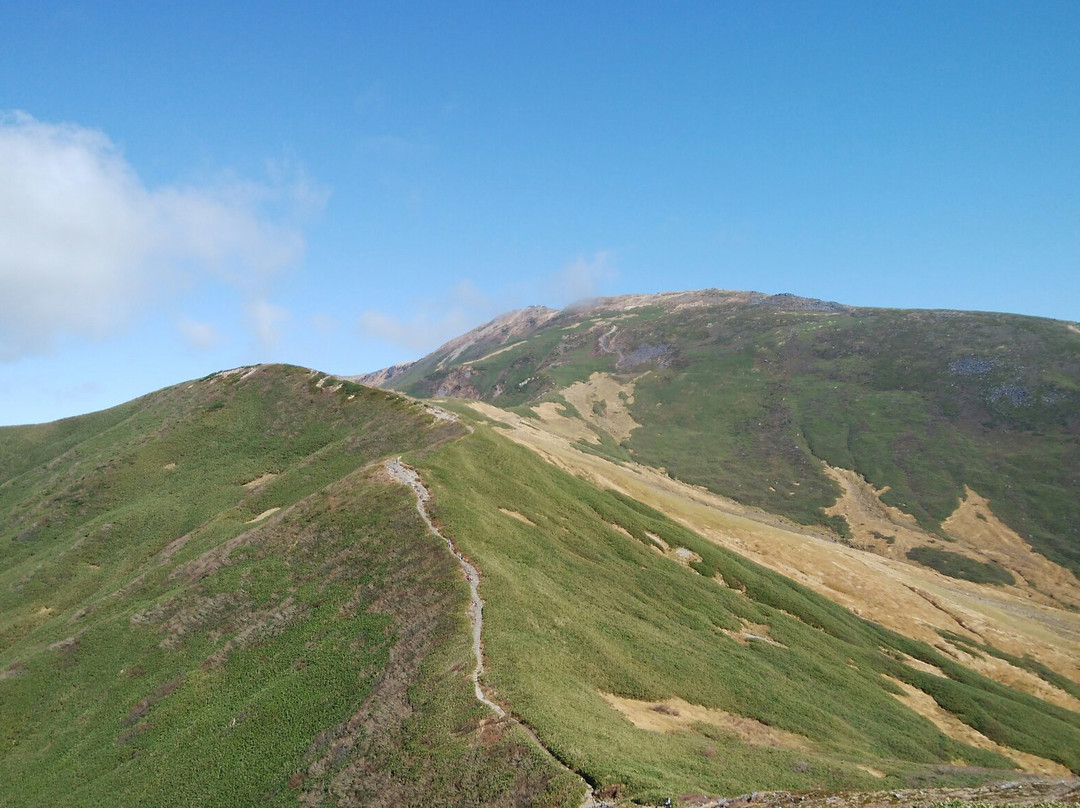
(747, 394)
(576, 608)
(159, 647)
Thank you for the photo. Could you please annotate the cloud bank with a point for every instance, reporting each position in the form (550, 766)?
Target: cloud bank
(85, 246)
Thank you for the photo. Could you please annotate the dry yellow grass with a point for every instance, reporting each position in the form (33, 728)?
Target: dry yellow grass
(976, 528)
(604, 393)
(519, 516)
(870, 518)
(613, 399)
(253, 484)
(675, 715)
(263, 515)
(557, 422)
(1007, 673)
(979, 535)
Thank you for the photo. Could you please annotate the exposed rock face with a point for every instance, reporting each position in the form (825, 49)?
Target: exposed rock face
(498, 332)
(381, 378)
(457, 385)
(489, 337)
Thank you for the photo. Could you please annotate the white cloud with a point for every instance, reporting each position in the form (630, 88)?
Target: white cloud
(421, 332)
(466, 307)
(583, 277)
(265, 319)
(434, 322)
(85, 246)
(200, 336)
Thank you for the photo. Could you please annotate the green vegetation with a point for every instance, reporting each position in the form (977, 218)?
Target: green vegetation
(213, 596)
(575, 609)
(159, 647)
(747, 399)
(960, 566)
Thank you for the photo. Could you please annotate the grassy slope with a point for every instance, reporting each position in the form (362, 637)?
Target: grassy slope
(575, 608)
(751, 398)
(325, 651)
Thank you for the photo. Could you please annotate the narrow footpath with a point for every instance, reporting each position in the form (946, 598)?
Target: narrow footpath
(401, 473)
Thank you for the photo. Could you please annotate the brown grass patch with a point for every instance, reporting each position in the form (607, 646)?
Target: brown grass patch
(604, 403)
(1007, 673)
(675, 715)
(750, 632)
(253, 484)
(557, 422)
(870, 770)
(875, 526)
(519, 516)
(263, 515)
(980, 535)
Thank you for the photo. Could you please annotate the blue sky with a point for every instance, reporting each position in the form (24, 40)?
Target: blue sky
(345, 186)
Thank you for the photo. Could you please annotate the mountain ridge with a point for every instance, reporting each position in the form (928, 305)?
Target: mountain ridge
(195, 567)
(379, 378)
(794, 383)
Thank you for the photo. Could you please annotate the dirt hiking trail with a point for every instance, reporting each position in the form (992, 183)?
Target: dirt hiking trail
(401, 473)
(407, 476)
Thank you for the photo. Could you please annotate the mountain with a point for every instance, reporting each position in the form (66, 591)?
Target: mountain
(276, 586)
(783, 402)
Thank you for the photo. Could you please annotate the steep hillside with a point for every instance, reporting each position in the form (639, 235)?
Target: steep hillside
(224, 594)
(214, 596)
(656, 662)
(786, 403)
